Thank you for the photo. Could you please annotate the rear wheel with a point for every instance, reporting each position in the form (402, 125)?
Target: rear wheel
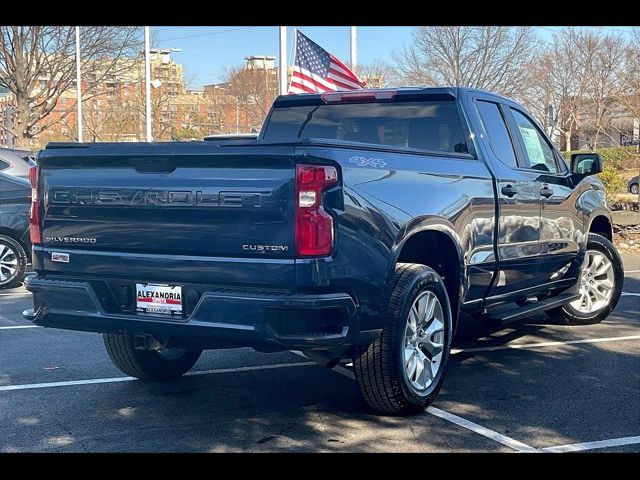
(402, 371)
(160, 364)
(13, 262)
(634, 188)
(601, 279)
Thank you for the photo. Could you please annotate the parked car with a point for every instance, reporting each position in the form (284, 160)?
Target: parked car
(15, 245)
(16, 162)
(632, 184)
(359, 225)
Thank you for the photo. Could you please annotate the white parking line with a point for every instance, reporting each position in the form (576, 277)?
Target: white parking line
(578, 447)
(14, 293)
(461, 422)
(18, 327)
(479, 429)
(503, 439)
(628, 294)
(632, 271)
(30, 386)
(455, 351)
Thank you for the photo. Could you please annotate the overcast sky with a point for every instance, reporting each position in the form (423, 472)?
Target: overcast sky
(206, 51)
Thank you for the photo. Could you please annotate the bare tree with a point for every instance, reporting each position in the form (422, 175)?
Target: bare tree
(602, 57)
(629, 96)
(37, 64)
(491, 58)
(254, 91)
(556, 96)
(379, 74)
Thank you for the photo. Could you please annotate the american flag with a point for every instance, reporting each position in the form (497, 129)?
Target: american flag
(315, 70)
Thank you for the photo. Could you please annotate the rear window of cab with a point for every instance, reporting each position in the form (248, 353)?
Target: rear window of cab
(426, 125)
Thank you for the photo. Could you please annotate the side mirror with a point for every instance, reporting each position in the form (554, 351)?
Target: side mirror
(585, 164)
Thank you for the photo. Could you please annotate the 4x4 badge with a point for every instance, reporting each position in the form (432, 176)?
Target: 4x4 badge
(368, 162)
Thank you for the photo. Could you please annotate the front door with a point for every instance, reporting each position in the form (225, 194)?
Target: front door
(560, 222)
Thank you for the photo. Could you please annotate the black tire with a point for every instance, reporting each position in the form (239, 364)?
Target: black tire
(379, 368)
(569, 315)
(634, 188)
(10, 251)
(148, 364)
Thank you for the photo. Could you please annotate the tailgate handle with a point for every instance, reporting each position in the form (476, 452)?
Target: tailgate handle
(153, 164)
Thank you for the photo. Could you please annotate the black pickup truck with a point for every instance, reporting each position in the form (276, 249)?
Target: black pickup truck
(357, 225)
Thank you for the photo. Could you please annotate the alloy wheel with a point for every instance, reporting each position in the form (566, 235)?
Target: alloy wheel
(424, 341)
(8, 263)
(597, 282)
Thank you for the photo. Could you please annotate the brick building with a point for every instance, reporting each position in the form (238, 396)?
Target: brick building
(113, 106)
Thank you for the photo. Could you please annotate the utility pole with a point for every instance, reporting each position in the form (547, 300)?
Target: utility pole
(354, 48)
(147, 83)
(283, 60)
(78, 85)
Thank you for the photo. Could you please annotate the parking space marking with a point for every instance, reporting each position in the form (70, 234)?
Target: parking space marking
(479, 429)
(632, 271)
(517, 346)
(18, 327)
(579, 447)
(14, 293)
(628, 294)
(461, 422)
(31, 386)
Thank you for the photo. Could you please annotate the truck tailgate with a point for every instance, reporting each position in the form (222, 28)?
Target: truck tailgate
(231, 203)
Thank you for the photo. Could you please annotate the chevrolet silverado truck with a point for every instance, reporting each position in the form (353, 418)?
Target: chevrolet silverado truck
(358, 225)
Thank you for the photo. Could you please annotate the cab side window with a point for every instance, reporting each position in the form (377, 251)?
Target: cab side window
(539, 152)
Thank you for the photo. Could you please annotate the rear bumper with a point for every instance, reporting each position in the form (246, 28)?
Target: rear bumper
(221, 318)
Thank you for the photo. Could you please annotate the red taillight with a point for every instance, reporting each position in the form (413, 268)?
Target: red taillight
(34, 217)
(314, 226)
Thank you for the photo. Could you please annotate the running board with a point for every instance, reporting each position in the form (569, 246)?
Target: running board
(507, 315)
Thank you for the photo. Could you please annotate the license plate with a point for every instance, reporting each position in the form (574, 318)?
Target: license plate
(155, 298)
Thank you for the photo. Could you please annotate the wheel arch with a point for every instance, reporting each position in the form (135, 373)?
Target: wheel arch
(438, 246)
(601, 224)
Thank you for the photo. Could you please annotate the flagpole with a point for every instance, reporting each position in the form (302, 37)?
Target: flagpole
(283, 60)
(354, 48)
(147, 81)
(78, 85)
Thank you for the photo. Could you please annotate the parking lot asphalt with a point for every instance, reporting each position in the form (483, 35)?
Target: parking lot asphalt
(529, 386)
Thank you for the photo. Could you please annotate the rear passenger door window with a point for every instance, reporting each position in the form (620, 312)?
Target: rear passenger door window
(496, 128)
(539, 153)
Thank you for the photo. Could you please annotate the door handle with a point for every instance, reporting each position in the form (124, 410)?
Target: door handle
(508, 190)
(546, 192)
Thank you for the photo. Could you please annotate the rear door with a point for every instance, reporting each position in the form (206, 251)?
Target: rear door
(518, 196)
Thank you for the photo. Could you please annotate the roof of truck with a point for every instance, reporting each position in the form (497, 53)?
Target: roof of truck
(451, 92)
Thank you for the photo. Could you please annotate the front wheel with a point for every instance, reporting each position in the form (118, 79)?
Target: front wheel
(634, 188)
(601, 279)
(402, 371)
(162, 364)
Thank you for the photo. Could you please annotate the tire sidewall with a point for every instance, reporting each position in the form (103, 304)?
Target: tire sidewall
(429, 280)
(22, 260)
(604, 246)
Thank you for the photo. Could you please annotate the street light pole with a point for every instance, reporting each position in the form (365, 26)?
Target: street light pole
(283, 60)
(78, 85)
(147, 89)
